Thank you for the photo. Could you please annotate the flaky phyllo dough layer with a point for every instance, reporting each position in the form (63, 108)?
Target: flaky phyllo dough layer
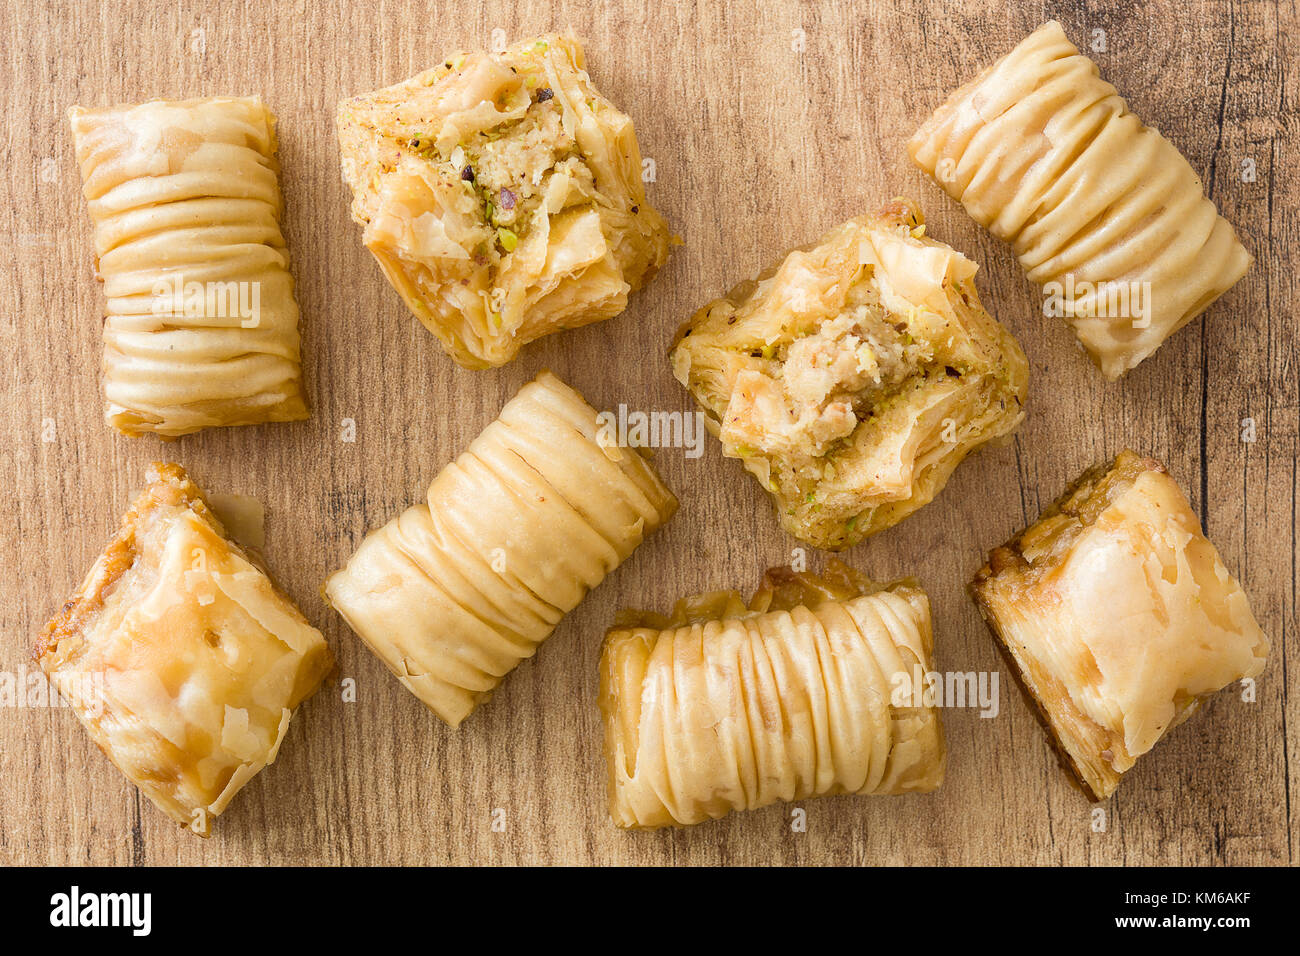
(1119, 616)
(200, 326)
(853, 377)
(502, 195)
(180, 656)
(803, 692)
(1045, 154)
(456, 591)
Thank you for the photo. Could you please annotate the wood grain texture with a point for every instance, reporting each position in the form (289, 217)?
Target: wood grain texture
(757, 146)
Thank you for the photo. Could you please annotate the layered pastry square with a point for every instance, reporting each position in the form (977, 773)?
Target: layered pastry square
(1119, 617)
(805, 691)
(502, 195)
(853, 376)
(180, 656)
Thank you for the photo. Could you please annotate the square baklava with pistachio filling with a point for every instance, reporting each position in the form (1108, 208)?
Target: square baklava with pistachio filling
(852, 377)
(502, 196)
(1118, 616)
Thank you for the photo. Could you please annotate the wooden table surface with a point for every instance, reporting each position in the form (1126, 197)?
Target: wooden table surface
(768, 122)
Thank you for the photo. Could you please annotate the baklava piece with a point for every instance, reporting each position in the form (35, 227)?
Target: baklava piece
(180, 656)
(1118, 617)
(502, 196)
(201, 327)
(810, 690)
(855, 375)
(456, 591)
(1103, 211)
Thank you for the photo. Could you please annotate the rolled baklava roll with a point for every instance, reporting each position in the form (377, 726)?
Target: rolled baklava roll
(811, 690)
(1102, 210)
(180, 656)
(1118, 616)
(502, 195)
(453, 593)
(201, 327)
(855, 375)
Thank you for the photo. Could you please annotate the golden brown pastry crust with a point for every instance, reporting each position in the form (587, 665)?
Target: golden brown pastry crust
(1117, 616)
(725, 706)
(201, 326)
(180, 656)
(502, 196)
(456, 591)
(1099, 207)
(855, 375)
